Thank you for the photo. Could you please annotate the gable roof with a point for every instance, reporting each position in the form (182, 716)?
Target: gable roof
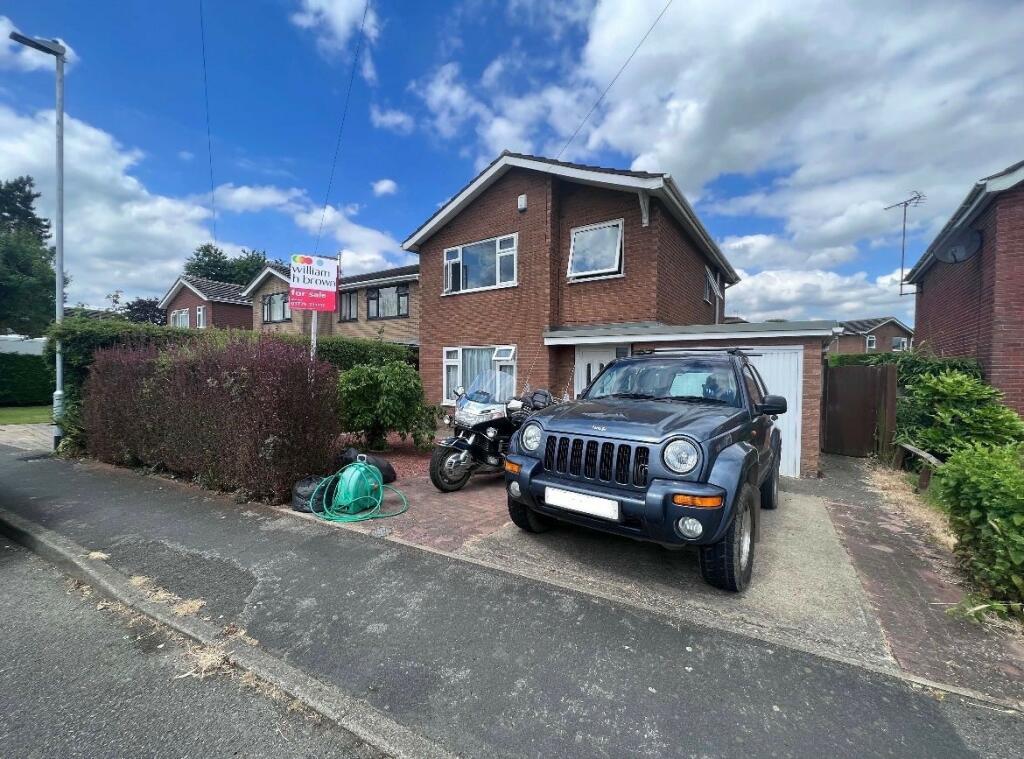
(384, 276)
(864, 326)
(660, 186)
(978, 199)
(271, 269)
(207, 289)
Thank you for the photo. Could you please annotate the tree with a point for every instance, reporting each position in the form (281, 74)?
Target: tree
(144, 310)
(247, 265)
(27, 301)
(209, 262)
(17, 209)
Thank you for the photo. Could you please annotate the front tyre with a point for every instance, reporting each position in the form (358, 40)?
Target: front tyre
(525, 518)
(729, 563)
(444, 472)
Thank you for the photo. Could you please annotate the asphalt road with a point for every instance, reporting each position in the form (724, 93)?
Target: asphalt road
(76, 681)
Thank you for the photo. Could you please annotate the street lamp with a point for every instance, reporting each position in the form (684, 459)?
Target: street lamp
(58, 51)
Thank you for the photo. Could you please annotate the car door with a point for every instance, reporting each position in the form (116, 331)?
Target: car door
(761, 425)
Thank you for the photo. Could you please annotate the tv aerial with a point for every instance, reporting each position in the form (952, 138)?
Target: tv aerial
(916, 198)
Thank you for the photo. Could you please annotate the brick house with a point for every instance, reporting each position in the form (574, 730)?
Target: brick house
(197, 303)
(881, 334)
(975, 308)
(548, 270)
(377, 305)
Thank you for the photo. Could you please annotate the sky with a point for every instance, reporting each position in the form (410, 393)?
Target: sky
(790, 125)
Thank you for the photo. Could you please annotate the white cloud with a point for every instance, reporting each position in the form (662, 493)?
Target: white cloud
(920, 98)
(385, 187)
(817, 294)
(14, 55)
(393, 119)
(116, 232)
(362, 248)
(186, 155)
(253, 198)
(335, 23)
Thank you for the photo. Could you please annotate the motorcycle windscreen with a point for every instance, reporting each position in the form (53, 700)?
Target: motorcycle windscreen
(491, 386)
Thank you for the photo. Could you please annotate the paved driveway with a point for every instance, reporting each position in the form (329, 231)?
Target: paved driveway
(28, 437)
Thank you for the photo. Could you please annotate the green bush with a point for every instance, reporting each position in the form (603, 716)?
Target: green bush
(983, 488)
(946, 412)
(377, 400)
(345, 353)
(25, 380)
(910, 365)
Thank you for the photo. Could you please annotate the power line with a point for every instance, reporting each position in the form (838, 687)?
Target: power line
(341, 126)
(209, 139)
(612, 82)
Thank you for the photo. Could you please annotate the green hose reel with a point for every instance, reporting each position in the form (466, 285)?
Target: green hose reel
(353, 494)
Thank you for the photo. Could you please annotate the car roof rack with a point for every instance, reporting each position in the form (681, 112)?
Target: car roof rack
(730, 351)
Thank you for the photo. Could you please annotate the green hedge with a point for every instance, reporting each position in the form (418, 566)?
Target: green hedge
(377, 400)
(983, 487)
(25, 380)
(910, 365)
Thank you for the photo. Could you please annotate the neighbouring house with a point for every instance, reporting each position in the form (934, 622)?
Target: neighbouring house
(880, 334)
(547, 270)
(378, 305)
(197, 303)
(975, 308)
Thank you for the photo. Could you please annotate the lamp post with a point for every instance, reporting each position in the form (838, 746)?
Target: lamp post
(58, 51)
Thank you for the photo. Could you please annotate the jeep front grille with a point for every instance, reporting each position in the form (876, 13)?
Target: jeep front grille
(604, 461)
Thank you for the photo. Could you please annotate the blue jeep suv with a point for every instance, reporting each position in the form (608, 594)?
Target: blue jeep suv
(674, 447)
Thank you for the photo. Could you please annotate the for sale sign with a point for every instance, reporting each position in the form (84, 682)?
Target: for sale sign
(314, 283)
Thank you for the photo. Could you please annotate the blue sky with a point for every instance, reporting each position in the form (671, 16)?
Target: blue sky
(788, 135)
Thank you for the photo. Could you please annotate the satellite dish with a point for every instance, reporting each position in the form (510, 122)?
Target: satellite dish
(960, 248)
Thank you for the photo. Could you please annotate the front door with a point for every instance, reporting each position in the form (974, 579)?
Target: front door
(590, 360)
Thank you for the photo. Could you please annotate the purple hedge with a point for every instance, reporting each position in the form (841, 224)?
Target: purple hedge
(252, 415)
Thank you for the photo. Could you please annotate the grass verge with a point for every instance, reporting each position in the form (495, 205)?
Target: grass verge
(25, 414)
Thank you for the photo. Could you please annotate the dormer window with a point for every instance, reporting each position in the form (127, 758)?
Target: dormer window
(596, 250)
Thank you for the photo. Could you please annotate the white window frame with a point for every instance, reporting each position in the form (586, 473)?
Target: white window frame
(177, 313)
(513, 252)
(870, 342)
(620, 264)
(457, 361)
(902, 346)
(200, 317)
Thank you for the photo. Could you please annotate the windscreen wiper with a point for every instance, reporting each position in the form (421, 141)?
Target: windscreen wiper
(692, 399)
(641, 396)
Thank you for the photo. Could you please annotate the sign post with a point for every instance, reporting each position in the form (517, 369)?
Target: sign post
(313, 286)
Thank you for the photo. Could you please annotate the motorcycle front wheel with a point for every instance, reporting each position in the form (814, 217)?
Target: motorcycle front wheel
(444, 472)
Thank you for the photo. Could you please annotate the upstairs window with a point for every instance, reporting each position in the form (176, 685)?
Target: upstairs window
(275, 308)
(347, 306)
(387, 302)
(596, 250)
(179, 318)
(481, 265)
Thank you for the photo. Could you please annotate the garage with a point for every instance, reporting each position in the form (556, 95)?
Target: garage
(788, 355)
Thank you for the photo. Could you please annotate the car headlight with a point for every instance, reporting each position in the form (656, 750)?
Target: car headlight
(681, 456)
(530, 437)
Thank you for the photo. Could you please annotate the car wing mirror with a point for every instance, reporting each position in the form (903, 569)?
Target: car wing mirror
(772, 405)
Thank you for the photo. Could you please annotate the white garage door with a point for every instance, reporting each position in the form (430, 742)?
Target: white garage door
(782, 369)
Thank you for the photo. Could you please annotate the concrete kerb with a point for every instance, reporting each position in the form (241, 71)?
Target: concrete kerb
(691, 616)
(353, 715)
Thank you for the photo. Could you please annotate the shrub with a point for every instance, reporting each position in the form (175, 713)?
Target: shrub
(25, 380)
(983, 488)
(910, 365)
(376, 400)
(249, 414)
(948, 411)
(345, 353)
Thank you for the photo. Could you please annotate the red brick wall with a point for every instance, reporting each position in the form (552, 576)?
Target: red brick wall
(187, 299)
(513, 315)
(627, 298)
(810, 423)
(976, 308)
(230, 316)
(681, 274)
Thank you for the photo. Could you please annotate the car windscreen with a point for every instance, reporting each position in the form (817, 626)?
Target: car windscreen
(684, 379)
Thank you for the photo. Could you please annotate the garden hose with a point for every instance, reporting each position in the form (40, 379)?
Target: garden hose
(353, 494)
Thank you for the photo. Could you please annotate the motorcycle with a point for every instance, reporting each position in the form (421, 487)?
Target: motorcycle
(486, 416)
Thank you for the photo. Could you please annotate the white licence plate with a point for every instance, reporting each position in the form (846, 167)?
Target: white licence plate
(605, 508)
